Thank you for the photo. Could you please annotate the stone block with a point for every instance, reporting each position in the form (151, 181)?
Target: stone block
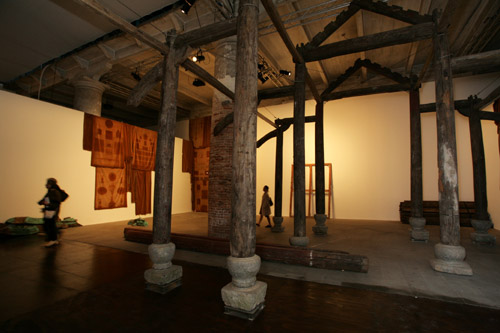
(244, 299)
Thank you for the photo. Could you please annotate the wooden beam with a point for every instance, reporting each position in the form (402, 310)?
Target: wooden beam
(395, 12)
(285, 91)
(297, 57)
(334, 84)
(207, 34)
(478, 62)
(370, 42)
(492, 97)
(387, 72)
(124, 25)
(148, 82)
(332, 27)
(205, 76)
(367, 91)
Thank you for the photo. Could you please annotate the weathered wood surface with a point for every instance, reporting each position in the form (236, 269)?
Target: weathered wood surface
(447, 146)
(319, 156)
(296, 56)
(164, 166)
(370, 42)
(326, 259)
(396, 12)
(416, 155)
(478, 164)
(243, 204)
(207, 77)
(467, 210)
(277, 92)
(278, 174)
(207, 34)
(367, 91)
(299, 179)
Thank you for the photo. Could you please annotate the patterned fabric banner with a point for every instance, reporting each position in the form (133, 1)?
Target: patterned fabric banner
(141, 193)
(110, 189)
(144, 149)
(107, 149)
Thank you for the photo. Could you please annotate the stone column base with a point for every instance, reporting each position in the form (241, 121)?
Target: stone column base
(480, 236)
(299, 241)
(450, 259)
(278, 220)
(320, 229)
(244, 303)
(417, 232)
(163, 280)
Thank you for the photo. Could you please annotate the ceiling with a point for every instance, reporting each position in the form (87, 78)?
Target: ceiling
(47, 44)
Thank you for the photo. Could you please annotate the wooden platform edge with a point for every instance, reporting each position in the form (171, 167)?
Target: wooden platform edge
(325, 259)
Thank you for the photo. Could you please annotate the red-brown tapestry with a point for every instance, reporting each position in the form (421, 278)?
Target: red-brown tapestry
(110, 188)
(144, 149)
(496, 108)
(107, 147)
(141, 191)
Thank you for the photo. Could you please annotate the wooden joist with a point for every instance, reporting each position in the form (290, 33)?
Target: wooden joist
(367, 91)
(325, 259)
(370, 42)
(395, 12)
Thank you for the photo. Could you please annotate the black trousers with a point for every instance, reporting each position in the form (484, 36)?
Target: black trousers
(49, 225)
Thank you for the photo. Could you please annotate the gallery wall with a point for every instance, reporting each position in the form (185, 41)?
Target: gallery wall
(367, 140)
(39, 140)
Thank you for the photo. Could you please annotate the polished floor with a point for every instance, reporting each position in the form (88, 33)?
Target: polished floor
(93, 282)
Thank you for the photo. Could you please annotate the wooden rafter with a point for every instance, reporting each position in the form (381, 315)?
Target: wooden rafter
(395, 12)
(367, 91)
(370, 42)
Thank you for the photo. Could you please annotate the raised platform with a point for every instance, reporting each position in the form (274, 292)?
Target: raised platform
(327, 259)
(467, 210)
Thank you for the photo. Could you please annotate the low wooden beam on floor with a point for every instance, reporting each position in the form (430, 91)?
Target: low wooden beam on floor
(317, 258)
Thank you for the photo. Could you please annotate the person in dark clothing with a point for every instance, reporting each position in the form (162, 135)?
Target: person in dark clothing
(51, 204)
(265, 207)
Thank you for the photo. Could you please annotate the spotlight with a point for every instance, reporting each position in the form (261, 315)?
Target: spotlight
(260, 66)
(198, 83)
(262, 78)
(284, 72)
(136, 76)
(199, 57)
(187, 6)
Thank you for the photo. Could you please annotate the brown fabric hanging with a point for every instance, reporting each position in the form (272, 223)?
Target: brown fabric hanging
(110, 189)
(107, 148)
(142, 191)
(144, 149)
(187, 156)
(199, 132)
(496, 108)
(88, 125)
(128, 155)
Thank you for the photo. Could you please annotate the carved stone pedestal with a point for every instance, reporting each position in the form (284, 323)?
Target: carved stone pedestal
(417, 232)
(164, 276)
(320, 228)
(299, 241)
(278, 220)
(244, 297)
(480, 236)
(450, 259)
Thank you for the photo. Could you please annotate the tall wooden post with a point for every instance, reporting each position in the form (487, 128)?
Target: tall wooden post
(450, 255)
(481, 221)
(320, 228)
(244, 296)
(278, 183)
(417, 220)
(299, 168)
(164, 276)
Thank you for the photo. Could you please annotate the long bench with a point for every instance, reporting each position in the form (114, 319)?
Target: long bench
(327, 259)
(467, 210)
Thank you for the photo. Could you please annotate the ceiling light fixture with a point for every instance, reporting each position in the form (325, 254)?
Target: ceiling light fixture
(198, 83)
(262, 78)
(199, 57)
(187, 6)
(285, 72)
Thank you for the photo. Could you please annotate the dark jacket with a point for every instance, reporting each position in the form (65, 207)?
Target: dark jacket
(54, 202)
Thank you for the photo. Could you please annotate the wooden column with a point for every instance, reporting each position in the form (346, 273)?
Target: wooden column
(320, 228)
(481, 221)
(299, 185)
(245, 127)
(449, 253)
(278, 183)
(162, 211)
(164, 276)
(244, 296)
(417, 220)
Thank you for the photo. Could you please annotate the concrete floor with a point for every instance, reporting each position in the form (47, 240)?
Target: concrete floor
(396, 264)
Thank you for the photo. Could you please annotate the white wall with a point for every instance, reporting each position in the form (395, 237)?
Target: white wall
(367, 139)
(39, 140)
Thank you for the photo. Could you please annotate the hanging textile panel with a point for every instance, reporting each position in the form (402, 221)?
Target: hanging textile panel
(110, 188)
(88, 127)
(107, 147)
(187, 156)
(141, 191)
(144, 149)
(128, 153)
(199, 132)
